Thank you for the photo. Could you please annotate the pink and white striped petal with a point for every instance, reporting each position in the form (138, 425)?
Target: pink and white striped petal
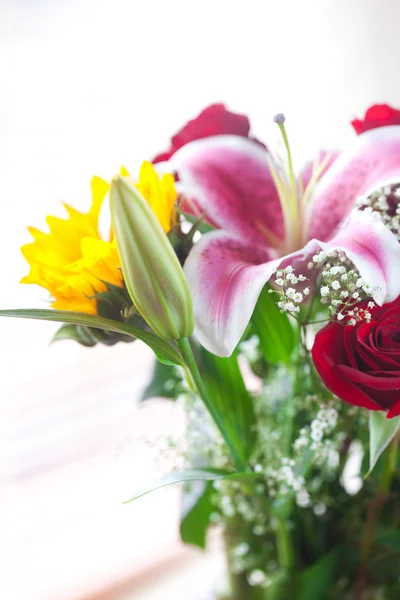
(372, 159)
(230, 180)
(225, 277)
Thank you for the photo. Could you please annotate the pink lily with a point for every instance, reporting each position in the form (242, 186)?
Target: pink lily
(267, 218)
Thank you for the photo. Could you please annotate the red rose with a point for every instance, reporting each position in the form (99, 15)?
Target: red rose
(379, 115)
(361, 363)
(213, 120)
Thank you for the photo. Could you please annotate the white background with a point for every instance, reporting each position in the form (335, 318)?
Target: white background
(86, 86)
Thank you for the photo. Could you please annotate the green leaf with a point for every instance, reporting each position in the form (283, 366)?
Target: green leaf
(224, 382)
(206, 474)
(201, 225)
(273, 329)
(165, 382)
(89, 336)
(381, 433)
(316, 581)
(165, 351)
(195, 517)
(69, 331)
(389, 539)
(178, 477)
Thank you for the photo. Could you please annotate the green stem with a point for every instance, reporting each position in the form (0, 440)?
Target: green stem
(284, 546)
(390, 464)
(187, 355)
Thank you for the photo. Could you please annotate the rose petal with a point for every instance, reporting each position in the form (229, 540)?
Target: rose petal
(231, 182)
(394, 411)
(378, 115)
(216, 119)
(372, 160)
(328, 354)
(375, 252)
(380, 380)
(225, 278)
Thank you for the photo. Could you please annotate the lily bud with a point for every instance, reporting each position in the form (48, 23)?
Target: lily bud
(152, 273)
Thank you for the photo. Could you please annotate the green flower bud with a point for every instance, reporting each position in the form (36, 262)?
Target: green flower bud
(153, 275)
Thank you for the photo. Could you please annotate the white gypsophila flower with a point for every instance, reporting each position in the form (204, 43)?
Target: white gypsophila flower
(279, 281)
(298, 297)
(360, 282)
(257, 578)
(303, 499)
(241, 549)
(340, 317)
(306, 291)
(317, 435)
(324, 291)
(335, 270)
(290, 292)
(335, 285)
(288, 269)
(320, 509)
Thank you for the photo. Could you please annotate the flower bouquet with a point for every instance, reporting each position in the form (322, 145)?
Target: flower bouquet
(271, 300)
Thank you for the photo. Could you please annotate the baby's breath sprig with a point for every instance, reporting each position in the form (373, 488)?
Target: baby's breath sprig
(289, 298)
(384, 203)
(342, 289)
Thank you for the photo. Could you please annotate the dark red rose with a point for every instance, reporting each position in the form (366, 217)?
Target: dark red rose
(379, 115)
(361, 363)
(213, 120)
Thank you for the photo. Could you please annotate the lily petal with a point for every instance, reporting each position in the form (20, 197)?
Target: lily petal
(230, 179)
(372, 160)
(375, 252)
(325, 159)
(225, 277)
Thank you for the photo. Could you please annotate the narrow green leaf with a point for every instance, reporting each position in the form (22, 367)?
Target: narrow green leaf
(195, 518)
(206, 474)
(165, 351)
(224, 382)
(273, 329)
(381, 433)
(178, 477)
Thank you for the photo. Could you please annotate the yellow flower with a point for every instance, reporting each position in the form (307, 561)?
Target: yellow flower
(72, 261)
(159, 193)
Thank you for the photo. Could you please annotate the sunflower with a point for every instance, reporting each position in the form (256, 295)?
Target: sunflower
(73, 262)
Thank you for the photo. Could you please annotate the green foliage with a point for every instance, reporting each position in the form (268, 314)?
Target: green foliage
(89, 336)
(381, 431)
(224, 383)
(316, 581)
(273, 328)
(206, 474)
(165, 382)
(179, 476)
(195, 515)
(165, 351)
